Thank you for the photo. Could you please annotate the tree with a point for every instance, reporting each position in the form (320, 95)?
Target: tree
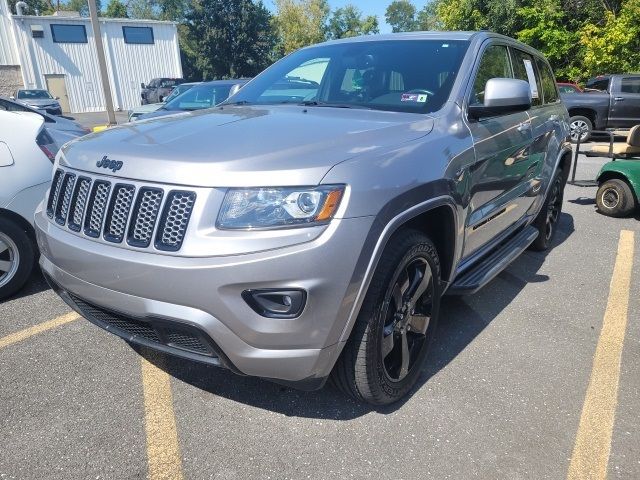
(401, 15)
(349, 22)
(299, 23)
(34, 7)
(229, 38)
(116, 9)
(80, 6)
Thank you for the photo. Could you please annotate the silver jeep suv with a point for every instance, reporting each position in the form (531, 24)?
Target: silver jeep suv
(309, 226)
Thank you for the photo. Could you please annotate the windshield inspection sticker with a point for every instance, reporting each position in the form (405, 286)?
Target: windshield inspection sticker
(532, 78)
(414, 97)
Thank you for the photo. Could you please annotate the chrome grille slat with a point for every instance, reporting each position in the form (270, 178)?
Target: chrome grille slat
(145, 215)
(54, 192)
(97, 208)
(64, 198)
(175, 218)
(118, 214)
(78, 203)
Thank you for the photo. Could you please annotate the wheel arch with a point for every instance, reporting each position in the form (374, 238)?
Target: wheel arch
(590, 113)
(20, 221)
(422, 217)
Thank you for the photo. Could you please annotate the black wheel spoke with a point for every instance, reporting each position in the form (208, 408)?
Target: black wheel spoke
(404, 366)
(387, 343)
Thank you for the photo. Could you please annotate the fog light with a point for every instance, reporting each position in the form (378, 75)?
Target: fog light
(276, 303)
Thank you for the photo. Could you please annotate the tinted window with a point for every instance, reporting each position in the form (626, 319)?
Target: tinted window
(137, 34)
(69, 33)
(549, 88)
(179, 90)
(630, 85)
(199, 97)
(400, 75)
(494, 64)
(524, 69)
(568, 89)
(34, 94)
(602, 84)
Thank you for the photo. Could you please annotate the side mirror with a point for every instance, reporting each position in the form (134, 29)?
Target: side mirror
(235, 89)
(501, 96)
(142, 85)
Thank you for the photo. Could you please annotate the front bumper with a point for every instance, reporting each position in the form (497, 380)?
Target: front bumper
(205, 294)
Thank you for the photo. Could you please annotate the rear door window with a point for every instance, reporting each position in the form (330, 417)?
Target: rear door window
(494, 64)
(630, 85)
(524, 68)
(549, 88)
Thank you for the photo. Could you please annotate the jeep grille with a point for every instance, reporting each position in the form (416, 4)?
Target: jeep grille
(99, 208)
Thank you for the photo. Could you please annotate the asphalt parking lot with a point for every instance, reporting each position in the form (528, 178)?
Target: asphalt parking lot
(535, 377)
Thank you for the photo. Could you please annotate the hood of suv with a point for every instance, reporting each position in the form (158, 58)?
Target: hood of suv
(241, 146)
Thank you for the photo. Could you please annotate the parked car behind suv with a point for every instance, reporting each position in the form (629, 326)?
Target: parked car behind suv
(62, 129)
(39, 99)
(158, 89)
(135, 113)
(310, 225)
(615, 103)
(203, 95)
(26, 156)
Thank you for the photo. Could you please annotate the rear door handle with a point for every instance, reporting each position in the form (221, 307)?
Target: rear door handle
(524, 126)
(618, 99)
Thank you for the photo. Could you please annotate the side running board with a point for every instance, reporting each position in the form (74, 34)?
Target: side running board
(486, 270)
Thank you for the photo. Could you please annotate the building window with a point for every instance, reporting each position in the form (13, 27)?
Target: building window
(138, 35)
(68, 33)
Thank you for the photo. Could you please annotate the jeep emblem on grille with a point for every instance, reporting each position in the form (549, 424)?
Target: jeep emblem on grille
(113, 165)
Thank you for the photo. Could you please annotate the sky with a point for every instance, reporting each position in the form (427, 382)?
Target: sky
(368, 7)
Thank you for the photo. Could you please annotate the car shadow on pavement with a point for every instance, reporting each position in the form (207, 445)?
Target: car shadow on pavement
(35, 284)
(458, 326)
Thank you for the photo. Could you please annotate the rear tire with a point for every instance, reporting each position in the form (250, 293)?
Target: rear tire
(17, 257)
(385, 353)
(580, 127)
(615, 198)
(547, 220)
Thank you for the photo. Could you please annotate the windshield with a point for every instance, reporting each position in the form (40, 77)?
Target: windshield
(179, 90)
(33, 94)
(396, 75)
(198, 97)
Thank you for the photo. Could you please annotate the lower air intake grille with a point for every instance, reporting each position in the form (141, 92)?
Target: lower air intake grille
(170, 334)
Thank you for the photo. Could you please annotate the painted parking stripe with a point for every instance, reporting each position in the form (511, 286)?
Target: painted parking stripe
(36, 329)
(163, 450)
(593, 440)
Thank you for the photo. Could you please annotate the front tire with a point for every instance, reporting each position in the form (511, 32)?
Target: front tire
(580, 127)
(615, 198)
(547, 220)
(17, 257)
(385, 353)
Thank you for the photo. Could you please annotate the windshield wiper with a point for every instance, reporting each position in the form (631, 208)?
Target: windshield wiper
(315, 103)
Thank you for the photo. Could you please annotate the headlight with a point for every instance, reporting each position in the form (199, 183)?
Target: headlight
(245, 208)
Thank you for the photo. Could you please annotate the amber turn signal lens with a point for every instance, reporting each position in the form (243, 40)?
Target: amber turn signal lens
(330, 205)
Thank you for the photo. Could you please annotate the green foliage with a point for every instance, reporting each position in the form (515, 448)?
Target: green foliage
(614, 46)
(228, 38)
(299, 23)
(401, 15)
(43, 7)
(116, 9)
(349, 22)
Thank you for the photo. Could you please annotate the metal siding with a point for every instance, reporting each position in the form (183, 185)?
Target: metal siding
(8, 55)
(128, 64)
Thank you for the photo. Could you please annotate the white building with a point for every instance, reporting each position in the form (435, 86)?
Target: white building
(58, 53)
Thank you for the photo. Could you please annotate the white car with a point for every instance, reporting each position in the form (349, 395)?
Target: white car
(27, 152)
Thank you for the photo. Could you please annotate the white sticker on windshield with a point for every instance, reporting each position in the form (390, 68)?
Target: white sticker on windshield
(532, 78)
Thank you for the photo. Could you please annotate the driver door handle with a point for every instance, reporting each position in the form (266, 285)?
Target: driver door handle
(618, 99)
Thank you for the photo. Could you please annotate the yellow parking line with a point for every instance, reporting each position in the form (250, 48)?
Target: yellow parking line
(593, 440)
(163, 451)
(41, 327)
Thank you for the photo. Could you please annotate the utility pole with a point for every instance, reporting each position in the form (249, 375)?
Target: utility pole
(102, 63)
